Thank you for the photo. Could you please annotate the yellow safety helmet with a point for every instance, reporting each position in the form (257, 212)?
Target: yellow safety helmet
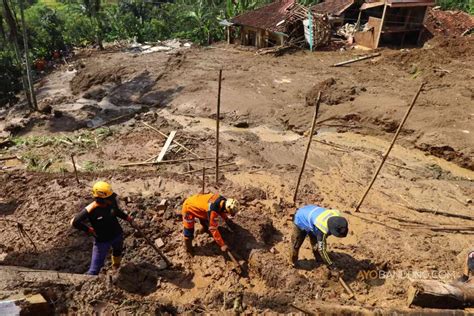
(102, 190)
(232, 206)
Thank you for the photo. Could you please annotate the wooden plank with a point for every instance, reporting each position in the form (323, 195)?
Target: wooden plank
(436, 294)
(379, 33)
(167, 145)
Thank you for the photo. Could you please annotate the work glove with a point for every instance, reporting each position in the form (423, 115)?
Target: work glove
(224, 248)
(92, 232)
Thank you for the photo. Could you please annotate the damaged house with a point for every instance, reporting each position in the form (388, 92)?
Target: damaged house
(281, 23)
(377, 23)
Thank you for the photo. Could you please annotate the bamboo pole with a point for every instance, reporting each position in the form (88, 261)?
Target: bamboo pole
(217, 125)
(356, 60)
(151, 163)
(315, 117)
(385, 156)
(75, 169)
(198, 170)
(27, 58)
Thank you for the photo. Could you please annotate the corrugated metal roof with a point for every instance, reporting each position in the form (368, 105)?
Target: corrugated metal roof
(268, 17)
(333, 7)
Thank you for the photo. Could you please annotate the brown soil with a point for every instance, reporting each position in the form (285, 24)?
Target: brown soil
(430, 167)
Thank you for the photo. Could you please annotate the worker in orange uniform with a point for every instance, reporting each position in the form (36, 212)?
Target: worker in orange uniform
(207, 208)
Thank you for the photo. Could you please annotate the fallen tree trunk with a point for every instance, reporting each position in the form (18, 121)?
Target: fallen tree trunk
(436, 294)
(10, 275)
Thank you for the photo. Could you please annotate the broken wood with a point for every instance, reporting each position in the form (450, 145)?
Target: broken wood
(301, 310)
(118, 118)
(19, 304)
(436, 294)
(174, 141)
(21, 275)
(217, 124)
(347, 288)
(150, 163)
(198, 170)
(435, 212)
(385, 156)
(166, 146)
(8, 158)
(356, 60)
(313, 126)
(75, 169)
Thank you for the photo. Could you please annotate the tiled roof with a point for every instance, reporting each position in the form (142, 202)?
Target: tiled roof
(268, 17)
(333, 7)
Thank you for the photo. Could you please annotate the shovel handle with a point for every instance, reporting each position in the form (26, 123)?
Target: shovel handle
(152, 245)
(237, 264)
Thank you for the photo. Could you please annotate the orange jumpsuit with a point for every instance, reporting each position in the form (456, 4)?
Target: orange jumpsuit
(206, 207)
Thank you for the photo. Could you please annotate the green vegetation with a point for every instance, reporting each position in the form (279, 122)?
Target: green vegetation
(464, 5)
(82, 139)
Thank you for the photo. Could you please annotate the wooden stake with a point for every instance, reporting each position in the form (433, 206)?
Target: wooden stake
(315, 117)
(75, 169)
(203, 179)
(217, 125)
(390, 147)
(27, 58)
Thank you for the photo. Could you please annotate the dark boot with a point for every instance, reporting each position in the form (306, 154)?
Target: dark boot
(294, 257)
(188, 243)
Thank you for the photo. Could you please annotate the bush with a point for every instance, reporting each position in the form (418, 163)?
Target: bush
(10, 76)
(79, 29)
(45, 30)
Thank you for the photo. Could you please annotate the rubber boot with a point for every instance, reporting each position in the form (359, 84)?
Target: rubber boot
(317, 256)
(116, 262)
(188, 243)
(294, 257)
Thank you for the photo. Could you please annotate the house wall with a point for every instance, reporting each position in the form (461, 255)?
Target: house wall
(368, 38)
(251, 36)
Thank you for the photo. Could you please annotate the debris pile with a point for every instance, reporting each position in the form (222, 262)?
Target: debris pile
(448, 23)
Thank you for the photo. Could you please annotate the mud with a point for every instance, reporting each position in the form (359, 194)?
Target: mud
(429, 167)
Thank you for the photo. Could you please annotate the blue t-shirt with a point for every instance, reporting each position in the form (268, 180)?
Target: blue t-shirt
(305, 218)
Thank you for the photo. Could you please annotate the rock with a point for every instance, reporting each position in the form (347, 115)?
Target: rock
(96, 94)
(159, 242)
(242, 124)
(44, 106)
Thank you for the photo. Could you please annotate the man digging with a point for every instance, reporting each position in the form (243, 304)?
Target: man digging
(104, 226)
(207, 208)
(318, 223)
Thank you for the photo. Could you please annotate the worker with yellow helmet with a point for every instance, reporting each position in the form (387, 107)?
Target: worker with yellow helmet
(102, 215)
(207, 208)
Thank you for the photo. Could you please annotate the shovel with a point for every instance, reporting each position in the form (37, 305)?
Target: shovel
(238, 268)
(152, 245)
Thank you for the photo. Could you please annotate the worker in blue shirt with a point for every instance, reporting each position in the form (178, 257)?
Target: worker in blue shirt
(319, 223)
